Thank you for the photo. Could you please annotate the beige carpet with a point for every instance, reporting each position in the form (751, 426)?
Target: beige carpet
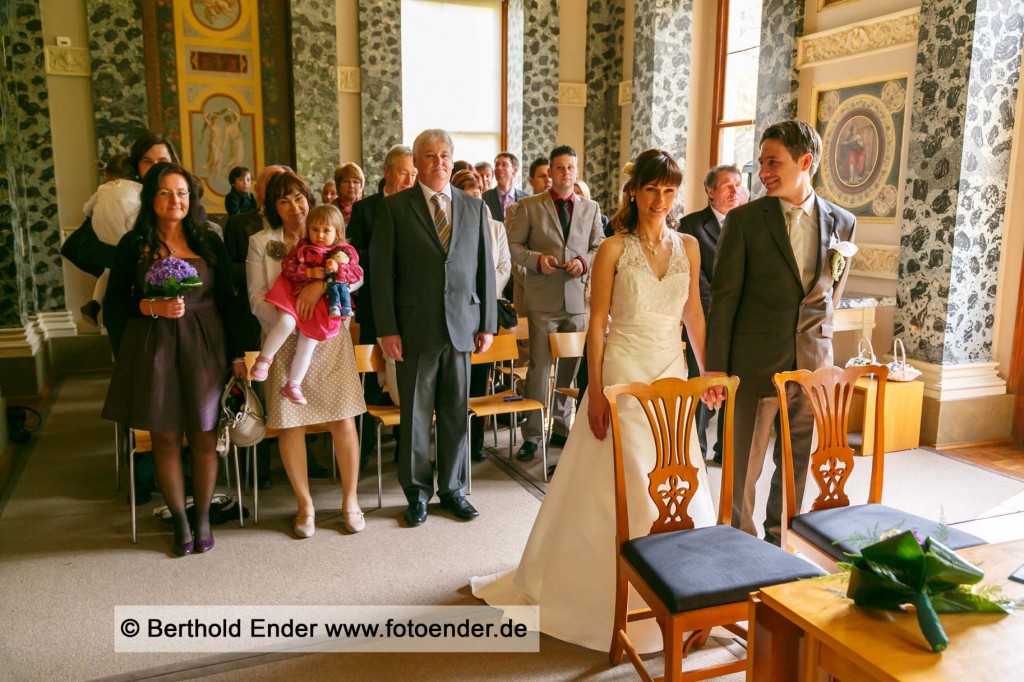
(66, 561)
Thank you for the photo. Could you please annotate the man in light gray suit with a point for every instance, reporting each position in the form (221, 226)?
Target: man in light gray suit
(772, 296)
(434, 303)
(554, 236)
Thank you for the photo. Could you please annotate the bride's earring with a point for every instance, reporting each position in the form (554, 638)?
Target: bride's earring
(632, 198)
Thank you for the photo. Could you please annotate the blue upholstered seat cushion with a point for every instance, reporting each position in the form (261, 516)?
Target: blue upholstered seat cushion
(828, 526)
(704, 567)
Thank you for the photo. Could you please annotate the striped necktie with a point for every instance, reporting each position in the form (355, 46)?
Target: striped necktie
(444, 228)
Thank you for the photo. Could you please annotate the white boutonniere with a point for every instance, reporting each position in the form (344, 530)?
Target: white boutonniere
(276, 250)
(839, 256)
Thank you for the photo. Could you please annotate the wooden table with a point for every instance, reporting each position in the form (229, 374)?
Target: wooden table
(903, 402)
(803, 631)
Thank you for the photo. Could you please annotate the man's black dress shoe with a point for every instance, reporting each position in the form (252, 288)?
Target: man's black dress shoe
(478, 456)
(416, 514)
(458, 506)
(527, 451)
(557, 441)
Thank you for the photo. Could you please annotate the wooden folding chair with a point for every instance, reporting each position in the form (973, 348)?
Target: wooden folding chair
(504, 349)
(692, 579)
(833, 528)
(142, 441)
(370, 359)
(565, 345)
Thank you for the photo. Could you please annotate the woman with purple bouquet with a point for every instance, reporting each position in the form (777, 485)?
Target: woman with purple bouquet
(168, 304)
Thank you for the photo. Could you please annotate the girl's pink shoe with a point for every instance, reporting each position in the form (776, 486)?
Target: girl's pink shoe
(260, 368)
(293, 392)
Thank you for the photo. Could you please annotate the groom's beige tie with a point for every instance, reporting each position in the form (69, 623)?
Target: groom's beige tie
(796, 239)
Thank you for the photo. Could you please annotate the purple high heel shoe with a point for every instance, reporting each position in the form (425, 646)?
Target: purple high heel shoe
(185, 548)
(204, 545)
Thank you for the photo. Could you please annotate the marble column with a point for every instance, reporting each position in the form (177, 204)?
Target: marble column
(315, 89)
(118, 73)
(962, 118)
(380, 71)
(602, 123)
(31, 277)
(28, 165)
(540, 80)
(662, 46)
(515, 13)
(782, 22)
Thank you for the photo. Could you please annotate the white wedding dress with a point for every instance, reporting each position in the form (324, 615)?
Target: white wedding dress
(568, 566)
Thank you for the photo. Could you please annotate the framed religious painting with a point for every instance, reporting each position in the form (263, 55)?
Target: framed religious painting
(861, 127)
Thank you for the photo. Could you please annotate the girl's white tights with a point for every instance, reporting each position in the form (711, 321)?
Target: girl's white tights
(303, 347)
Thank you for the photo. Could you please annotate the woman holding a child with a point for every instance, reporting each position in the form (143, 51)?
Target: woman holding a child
(328, 388)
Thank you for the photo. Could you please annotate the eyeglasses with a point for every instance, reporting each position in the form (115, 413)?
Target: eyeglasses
(167, 194)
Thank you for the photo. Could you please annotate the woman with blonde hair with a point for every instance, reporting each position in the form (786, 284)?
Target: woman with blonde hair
(348, 182)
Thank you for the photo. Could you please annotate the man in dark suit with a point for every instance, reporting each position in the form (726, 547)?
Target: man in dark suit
(399, 175)
(506, 168)
(722, 184)
(772, 298)
(434, 304)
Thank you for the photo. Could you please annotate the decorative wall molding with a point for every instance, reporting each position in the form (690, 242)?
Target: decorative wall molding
(876, 260)
(67, 61)
(853, 40)
(20, 342)
(625, 93)
(56, 324)
(572, 94)
(960, 381)
(348, 79)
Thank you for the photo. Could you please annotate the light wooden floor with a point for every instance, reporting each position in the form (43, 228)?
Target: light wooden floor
(1004, 459)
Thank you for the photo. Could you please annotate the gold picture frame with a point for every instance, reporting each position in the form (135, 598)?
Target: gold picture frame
(862, 126)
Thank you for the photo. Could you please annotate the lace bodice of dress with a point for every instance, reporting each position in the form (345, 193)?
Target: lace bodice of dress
(636, 289)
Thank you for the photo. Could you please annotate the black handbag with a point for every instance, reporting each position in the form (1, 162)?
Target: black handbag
(507, 317)
(86, 252)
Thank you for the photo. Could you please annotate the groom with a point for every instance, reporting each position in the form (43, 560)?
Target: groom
(772, 297)
(434, 303)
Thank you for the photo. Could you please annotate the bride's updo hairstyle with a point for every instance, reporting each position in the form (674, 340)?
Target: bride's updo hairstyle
(652, 166)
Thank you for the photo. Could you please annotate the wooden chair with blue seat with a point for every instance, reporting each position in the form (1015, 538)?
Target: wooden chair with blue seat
(830, 530)
(692, 579)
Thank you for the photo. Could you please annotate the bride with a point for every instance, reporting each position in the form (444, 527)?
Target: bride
(641, 277)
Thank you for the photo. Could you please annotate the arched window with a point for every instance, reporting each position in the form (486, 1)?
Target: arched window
(737, 50)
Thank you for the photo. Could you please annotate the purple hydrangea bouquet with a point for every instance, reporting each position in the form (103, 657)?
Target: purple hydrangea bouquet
(171, 277)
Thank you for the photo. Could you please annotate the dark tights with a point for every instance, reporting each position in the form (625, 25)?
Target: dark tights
(170, 476)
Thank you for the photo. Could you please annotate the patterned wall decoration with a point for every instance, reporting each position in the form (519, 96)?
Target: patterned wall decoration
(276, 77)
(118, 81)
(380, 61)
(218, 88)
(877, 34)
(29, 165)
(861, 128)
(162, 69)
(782, 22)
(962, 118)
(602, 124)
(314, 57)
(13, 237)
(540, 79)
(662, 43)
(514, 30)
